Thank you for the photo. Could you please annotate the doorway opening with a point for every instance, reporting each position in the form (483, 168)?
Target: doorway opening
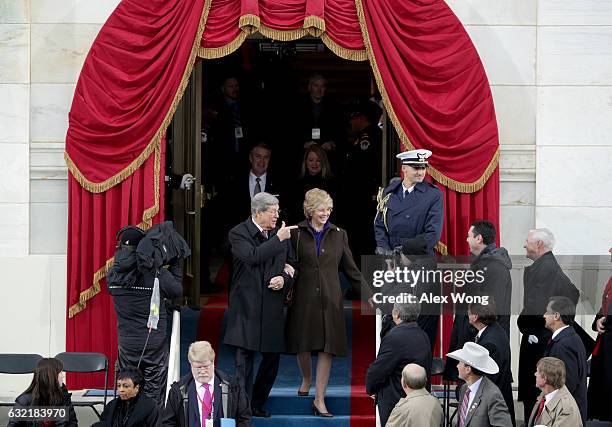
(262, 94)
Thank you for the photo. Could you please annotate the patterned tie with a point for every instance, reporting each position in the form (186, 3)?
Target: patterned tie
(464, 408)
(264, 233)
(257, 186)
(206, 404)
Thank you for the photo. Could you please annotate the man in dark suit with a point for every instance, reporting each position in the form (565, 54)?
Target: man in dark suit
(205, 393)
(567, 346)
(541, 281)
(494, 338)
(403, 344)
(481, 404)
(262, 274)
(494, 265)
(247, 184)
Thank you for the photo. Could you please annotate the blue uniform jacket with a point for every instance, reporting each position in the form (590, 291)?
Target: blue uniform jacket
(399, 218)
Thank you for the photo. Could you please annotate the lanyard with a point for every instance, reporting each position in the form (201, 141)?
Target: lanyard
(206, 407)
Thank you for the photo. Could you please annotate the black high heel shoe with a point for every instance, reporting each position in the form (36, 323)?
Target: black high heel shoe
(303, 393)
(318, 413)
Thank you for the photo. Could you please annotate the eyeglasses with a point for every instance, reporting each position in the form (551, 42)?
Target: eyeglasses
(273, 211)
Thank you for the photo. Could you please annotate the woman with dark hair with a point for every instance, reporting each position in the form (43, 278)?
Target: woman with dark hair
(132, 408)
(315, 173)
(47, 390)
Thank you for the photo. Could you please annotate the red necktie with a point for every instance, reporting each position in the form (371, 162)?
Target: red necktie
(540, 409)
(464, 408)
(206, 404)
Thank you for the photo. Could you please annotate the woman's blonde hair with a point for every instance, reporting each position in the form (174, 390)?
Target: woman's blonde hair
(316, 199)
(322, 155)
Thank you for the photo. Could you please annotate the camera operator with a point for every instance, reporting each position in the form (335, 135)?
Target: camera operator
(132, 288)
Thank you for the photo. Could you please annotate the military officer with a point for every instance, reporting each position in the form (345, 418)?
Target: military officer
(409, 207)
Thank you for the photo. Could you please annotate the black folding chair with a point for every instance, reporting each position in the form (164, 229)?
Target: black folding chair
(86, 363)
(18, 364)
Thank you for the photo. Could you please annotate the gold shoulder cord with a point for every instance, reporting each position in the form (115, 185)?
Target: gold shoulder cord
(382, 205)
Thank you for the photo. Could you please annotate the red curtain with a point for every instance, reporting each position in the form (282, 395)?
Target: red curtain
(426, 68)
(130, 84)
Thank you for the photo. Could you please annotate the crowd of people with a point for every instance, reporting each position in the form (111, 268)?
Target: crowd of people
(286, 265)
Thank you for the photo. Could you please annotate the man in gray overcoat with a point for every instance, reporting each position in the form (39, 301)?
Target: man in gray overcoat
(263, 272)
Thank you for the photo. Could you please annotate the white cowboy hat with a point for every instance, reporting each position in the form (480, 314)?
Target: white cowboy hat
(476, 356)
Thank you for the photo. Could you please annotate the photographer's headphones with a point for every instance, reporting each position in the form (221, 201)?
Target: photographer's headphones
(120, 233)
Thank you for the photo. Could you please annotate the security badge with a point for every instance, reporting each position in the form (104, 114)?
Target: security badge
(238, 132)
(316, 133)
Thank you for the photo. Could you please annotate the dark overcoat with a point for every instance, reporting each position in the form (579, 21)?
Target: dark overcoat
(568, 347)
(495, 339)
(256, 314)
(541, 281)
(405, 343)
(401, 218)
(600, 383)
(317, 300)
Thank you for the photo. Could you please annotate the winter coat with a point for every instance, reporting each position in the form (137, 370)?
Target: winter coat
(131, 291)
(494, 339)
(317, 299)
(143, 412)
(405, 343)
(567, 346)
(495, 264)
(560, 411)
(25, 400)
(541, 281)
(256, 313)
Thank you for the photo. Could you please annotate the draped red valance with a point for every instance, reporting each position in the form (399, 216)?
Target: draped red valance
(428, 72)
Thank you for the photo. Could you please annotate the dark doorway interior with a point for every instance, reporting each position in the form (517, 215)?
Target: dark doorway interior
(273, 80)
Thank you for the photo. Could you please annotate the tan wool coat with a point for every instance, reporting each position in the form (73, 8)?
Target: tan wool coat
(418, 409)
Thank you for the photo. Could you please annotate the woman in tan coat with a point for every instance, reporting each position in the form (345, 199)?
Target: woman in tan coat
(316, 319)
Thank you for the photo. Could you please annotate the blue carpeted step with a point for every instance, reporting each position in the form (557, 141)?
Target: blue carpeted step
(298, 420)
(285, 401)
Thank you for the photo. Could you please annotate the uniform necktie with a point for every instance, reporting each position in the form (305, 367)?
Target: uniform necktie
(206, 404)
(477, 339)
(464, 408)
(257, 186)
(540, 409)
(406, 192)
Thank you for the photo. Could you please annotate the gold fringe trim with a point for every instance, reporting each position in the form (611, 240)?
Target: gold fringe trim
(220, 52)
(461, 187)
(282, 35)
(100, 187)
(148, 214)
(147, 222)
(342, 52)
(441, 248)
(249, 23)
(314, 25)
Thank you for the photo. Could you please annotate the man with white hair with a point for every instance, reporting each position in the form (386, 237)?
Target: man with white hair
(205, 394)
(542, 280)
(262, 274)
(419, 408)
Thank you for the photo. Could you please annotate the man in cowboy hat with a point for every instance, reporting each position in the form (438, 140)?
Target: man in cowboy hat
(409, 207)
(481, 404)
